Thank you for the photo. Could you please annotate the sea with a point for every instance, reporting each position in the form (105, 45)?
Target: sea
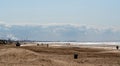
(82, 43)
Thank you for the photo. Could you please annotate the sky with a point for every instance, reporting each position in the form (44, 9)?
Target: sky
(81, 20)
(85, 12)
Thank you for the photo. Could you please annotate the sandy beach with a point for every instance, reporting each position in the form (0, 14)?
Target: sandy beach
(59, 55)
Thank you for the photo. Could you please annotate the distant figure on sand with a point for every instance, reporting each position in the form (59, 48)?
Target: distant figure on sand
(117, 47)
(17, 44)
(37, 44)
(47, 45)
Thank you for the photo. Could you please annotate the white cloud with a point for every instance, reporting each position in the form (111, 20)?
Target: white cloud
(12, 37)
(1, 22)
(60, 32)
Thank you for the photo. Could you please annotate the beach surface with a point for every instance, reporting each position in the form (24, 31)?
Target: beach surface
(59, 55)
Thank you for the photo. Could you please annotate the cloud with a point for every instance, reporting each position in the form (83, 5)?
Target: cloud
(62, 32)
(1, 22)
(11, 36)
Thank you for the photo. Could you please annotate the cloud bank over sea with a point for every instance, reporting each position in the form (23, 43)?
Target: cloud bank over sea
(59, 32)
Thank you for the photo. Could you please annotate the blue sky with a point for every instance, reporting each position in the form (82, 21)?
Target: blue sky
(67, 13)
(88, 12)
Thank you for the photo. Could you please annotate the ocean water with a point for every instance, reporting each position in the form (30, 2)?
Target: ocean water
(82, 43)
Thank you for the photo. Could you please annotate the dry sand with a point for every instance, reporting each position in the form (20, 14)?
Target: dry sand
(57, 56)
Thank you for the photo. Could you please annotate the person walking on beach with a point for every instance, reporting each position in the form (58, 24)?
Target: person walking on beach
(117, 47)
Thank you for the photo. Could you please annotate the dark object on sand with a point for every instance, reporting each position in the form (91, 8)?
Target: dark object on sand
(3, 41)
(37, 44)
(18, 44)
(75, 56)
(117, 47)
(47, 45)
